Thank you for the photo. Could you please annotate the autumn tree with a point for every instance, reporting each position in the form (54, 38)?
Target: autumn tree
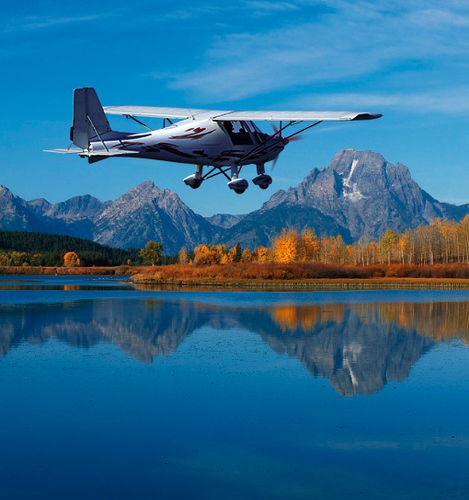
(285, 246)
(260, 255)
(388, 244)
(246, 256)
(309, 246)
(71, 259)
(183, 256)
(152, 253)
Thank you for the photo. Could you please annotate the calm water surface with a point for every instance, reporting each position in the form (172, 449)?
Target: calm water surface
(111, 392)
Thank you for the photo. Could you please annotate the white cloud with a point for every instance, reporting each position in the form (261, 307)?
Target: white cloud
(451, 101)
(37, 23)
(356, 39)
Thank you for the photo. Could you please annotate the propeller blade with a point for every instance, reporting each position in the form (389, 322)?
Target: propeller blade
(275, 162)
(294, 138)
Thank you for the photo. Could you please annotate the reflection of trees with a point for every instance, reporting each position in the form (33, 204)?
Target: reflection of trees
(437, 320)
(358, 347)
(358, 353)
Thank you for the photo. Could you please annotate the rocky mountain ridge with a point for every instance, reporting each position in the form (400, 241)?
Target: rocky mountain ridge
(358, 195)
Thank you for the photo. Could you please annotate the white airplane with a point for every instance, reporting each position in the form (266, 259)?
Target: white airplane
(223, 140)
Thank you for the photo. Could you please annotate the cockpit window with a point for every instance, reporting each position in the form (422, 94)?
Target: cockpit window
(238, 132)
(255, 132)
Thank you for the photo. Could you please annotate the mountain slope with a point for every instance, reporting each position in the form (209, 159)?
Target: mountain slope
(359, 194)
(146, 212)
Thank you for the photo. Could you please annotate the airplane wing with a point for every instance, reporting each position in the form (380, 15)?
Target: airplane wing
(297, 116)
(156, 112)
(219, 115)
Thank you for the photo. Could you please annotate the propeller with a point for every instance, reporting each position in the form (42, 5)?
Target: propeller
(288, 139)
(285, 141)
(274, 162)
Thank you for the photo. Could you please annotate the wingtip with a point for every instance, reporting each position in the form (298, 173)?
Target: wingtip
(367, 116)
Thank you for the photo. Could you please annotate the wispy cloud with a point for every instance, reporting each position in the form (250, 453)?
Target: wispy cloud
(354, 40)
(32, 23)
(452, 101)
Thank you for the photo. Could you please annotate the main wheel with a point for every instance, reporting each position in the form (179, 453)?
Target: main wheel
(195, 185)
(263, 186)
(239, 191)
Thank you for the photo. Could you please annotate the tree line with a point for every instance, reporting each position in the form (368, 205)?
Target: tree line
(18, 248)
(439, 242)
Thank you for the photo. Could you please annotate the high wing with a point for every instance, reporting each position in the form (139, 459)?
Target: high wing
(156, 112)
(297, 116)
(220, 115)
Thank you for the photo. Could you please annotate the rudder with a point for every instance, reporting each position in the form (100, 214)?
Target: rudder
(89, 119)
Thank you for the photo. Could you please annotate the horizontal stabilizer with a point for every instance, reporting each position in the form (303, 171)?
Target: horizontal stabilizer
(85, 152)
(66, 151)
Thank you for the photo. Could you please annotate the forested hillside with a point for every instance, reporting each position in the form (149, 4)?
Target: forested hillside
(19, 247)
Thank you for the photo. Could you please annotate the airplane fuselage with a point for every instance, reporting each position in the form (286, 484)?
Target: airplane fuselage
(200, 142)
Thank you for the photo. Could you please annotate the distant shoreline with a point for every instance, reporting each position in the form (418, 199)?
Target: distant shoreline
(65, 271)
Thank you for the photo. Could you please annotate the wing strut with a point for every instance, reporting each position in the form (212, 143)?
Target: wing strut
(138, 121)
(264, 142)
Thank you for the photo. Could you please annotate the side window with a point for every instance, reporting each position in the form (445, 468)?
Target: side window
(237, 132)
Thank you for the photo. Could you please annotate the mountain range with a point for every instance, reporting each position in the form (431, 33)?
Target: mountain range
(359, 194)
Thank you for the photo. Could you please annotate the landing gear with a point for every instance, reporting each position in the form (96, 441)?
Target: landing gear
(195, 180)
(236, 184)
(262, 180)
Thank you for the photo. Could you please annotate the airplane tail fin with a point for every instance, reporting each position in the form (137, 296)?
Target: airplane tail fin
(89, 120)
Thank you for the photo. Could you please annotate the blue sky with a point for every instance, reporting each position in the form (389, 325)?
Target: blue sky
(406, 59)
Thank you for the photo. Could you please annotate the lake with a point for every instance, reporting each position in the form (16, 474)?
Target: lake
(108, 391)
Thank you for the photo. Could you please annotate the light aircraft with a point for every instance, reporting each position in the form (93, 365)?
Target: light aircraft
(224, 141)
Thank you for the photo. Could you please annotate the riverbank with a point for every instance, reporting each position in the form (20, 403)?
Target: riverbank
(69, 271)
(302, 277)
(269, 276)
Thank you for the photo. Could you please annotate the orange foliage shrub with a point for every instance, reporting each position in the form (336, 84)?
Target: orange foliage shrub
(71, 259)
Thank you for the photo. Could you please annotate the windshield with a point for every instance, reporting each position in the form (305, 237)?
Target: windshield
(239, 133)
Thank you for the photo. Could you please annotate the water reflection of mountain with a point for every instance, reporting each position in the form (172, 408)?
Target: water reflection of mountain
(142, 328)
(358, 347)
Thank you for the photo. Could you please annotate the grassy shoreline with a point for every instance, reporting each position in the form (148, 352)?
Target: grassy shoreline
(306, 284)
(178, 277)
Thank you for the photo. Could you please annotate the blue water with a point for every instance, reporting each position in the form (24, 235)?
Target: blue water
(111, 392)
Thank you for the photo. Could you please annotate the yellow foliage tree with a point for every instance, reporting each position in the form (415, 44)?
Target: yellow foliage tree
(285, 247)
(71, 259)
(261, 255)
(246, 256)
(309, 246)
